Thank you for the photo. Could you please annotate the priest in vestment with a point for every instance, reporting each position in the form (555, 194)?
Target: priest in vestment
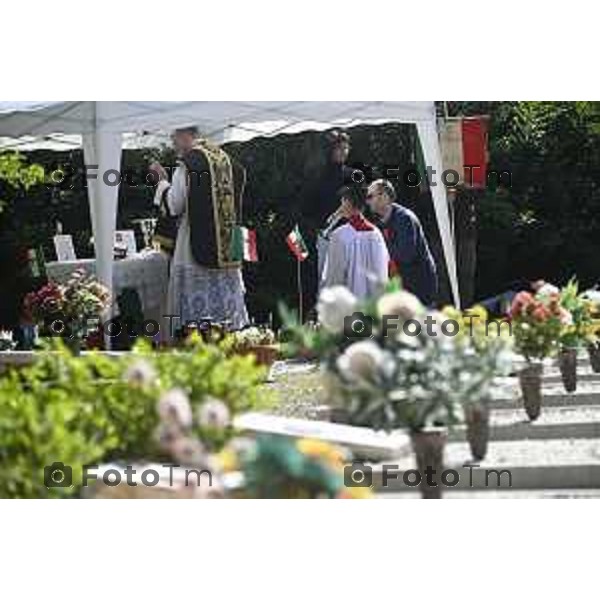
(357, 255)
(205, 196)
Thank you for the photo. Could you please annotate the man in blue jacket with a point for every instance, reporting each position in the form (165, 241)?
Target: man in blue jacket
(410, 257)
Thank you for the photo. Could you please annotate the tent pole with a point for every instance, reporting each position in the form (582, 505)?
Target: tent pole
(102, 154)
(431, 153)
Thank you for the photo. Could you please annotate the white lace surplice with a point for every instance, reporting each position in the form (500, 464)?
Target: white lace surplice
(358, 260)
(196, 292)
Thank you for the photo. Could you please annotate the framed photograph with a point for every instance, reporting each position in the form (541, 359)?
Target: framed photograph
(126, 238)
(65, 251)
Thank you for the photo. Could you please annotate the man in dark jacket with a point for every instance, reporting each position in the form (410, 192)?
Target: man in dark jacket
(321, 201)
(322, 195)
(410, 257)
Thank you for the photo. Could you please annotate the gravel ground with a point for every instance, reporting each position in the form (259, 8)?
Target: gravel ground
(298, 387)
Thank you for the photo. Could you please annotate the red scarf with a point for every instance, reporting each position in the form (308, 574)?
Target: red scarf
(360, 223)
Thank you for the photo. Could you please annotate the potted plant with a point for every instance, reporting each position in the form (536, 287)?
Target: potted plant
(66, 310)
(491, 357)
(577, 331)
(593, 345)
(259, 342)
(594, 349)
(413, 385)
(537, 325)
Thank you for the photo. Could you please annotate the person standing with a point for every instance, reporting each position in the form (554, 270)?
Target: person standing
(357, 256)
(206, 196)
(321, 203)
(335, 174)
(411, 258)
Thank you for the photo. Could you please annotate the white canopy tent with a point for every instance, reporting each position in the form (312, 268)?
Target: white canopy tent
(103, 127)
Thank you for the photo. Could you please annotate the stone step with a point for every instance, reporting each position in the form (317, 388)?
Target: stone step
(572, 494)
(554, 423)
(583, 360)
(554, 377)
(552, 398)
(509, 396)
(523, 465)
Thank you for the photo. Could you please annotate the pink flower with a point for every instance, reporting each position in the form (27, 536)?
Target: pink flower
(521, 301)
(565, 316)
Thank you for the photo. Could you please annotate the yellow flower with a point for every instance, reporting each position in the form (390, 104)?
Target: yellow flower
(356, 493)
(478, 311)
(321, 450)
(451, 312)
(228, 460)
(194, 339)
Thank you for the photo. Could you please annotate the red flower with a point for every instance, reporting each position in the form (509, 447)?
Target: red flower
(520, 302)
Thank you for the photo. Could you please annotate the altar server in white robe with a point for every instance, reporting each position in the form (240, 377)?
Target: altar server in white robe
(357, 256)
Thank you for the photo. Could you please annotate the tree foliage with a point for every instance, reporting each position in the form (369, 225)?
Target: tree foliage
(547, 224)
(16, 173)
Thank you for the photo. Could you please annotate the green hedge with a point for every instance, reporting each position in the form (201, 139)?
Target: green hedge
(84, 410)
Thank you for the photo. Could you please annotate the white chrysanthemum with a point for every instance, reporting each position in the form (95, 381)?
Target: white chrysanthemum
(335, 304)
(174, 406)
(140, 372)
(166, 434)
(401, 304)
(363, 361)
(214, 413)
(547, 290)
(593, 296)
(189, 451)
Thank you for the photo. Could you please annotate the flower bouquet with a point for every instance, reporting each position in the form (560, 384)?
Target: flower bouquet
(537, 327)
(259, 342)
(66, 310)
(577, 331)
(43, 303)
(594, 346)
(491, 344)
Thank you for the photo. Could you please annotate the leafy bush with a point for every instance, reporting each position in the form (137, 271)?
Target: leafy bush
(38, 429)
(94, 408)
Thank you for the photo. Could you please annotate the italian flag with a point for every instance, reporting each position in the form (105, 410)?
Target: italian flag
(244, 244)
(296, 244)
(464, 146)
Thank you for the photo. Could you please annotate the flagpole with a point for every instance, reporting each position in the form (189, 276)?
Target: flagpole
(299, 283)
